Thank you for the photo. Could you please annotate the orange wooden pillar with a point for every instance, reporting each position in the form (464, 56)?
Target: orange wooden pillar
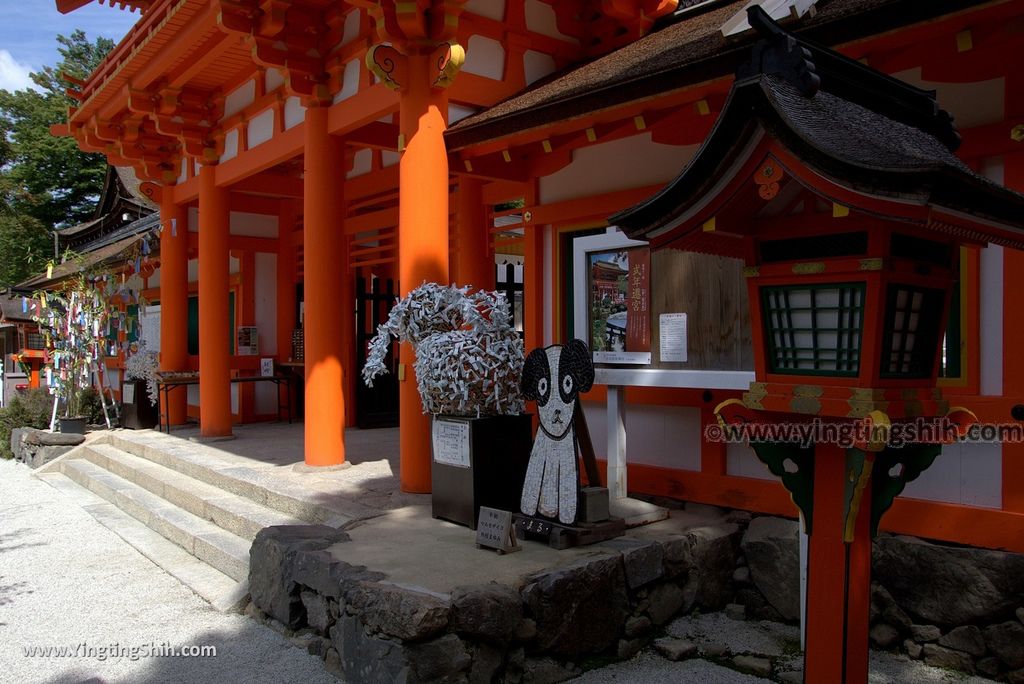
(838, 577)
(214, 333)
(328, 297)
(174, 296)
(473, 263)
(422, 244)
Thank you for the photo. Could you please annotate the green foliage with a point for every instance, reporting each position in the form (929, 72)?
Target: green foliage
(92, 407)
(45, 182)
(26, 409)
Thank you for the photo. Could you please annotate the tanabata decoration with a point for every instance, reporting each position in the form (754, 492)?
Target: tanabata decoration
(468, 356)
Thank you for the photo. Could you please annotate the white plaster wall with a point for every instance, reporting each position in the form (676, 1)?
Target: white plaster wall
(193, 394)
(253, 225)
(272, 80)
(193, 270)
(972, 104)
(492, 9)
(234, 398)
(741, 461)
(631, 162)
(193, 219)
(294, 112)
(261, 128)
(240, 98)
(458, 112)
(663, 436)
(230, 145)
(389, 158)
(991, 301)
(361, 162)
(350, 82)
(968, 474)
(485, 57)
(265, 295)
(183, 172)
(537, 65)
(541, 18)
(351, 29)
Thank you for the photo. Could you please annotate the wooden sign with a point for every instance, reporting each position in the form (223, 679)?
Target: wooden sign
(495, 530)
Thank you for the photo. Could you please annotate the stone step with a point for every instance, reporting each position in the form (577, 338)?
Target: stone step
(223, 592)
(261, 487)
(236, 514)
(223, 550)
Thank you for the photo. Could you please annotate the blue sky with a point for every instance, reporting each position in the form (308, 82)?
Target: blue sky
(29, 28)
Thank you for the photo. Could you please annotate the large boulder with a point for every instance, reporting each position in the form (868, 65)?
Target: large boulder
(580, 609)
(772, 548)
(1006, 641)
(948, 586)
(706, 557)
(399, 612)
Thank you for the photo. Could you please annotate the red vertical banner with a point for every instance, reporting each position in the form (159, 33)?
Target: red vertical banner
(638, 311)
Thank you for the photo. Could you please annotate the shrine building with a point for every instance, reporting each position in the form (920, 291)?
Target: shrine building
(311, 159)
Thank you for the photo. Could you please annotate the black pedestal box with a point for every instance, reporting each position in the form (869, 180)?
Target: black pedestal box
(139, 413)
(478, 462)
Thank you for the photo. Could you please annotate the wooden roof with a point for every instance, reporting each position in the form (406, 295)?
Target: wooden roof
(845, 128)
(682, 53)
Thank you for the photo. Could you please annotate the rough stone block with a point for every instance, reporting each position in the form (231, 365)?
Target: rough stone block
(675, 649)
(317, 615)
(271, 560)
(772, 548)
(491, 611)
(883, 635)
(913, 649)
(665, 600)
(940, 656)
(1006, 641)
(642, 560)
(760, 667)
(399, 612)
(924, 634)
(736, 611)
(580, 609)
(966, 638)
(988, 666)
(637, 626)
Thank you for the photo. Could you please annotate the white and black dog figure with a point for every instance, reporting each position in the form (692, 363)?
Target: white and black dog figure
(554, 377)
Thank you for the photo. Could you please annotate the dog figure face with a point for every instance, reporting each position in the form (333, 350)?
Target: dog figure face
(554, 377)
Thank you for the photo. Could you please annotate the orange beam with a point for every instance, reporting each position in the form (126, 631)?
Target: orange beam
(214, 335)
(327, 342)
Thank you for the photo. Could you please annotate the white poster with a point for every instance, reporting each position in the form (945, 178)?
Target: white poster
(149, 327)
(451, 442)
(672, 336)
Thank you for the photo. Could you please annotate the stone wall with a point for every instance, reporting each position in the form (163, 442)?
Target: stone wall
(952, 606)
(36, 448)
(545, 629)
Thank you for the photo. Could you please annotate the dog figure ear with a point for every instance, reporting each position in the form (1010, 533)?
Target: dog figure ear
(536, 381)
(576, 360)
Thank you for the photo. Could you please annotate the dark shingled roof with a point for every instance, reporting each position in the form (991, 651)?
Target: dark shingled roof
(859, 128)
(680, 54)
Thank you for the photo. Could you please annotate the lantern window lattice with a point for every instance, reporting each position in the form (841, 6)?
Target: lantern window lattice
(912, 320)
(814, 329)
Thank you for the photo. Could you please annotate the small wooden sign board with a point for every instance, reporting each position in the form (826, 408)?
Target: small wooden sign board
(494, 530)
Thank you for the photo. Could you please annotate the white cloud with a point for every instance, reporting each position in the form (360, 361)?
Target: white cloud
(13, 74)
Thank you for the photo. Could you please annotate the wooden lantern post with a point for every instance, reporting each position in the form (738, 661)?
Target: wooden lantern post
(838, 187)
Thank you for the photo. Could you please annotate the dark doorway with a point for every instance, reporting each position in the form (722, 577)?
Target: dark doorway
(377, 406)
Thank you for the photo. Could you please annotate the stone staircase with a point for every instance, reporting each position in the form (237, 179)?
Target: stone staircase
(192, 518)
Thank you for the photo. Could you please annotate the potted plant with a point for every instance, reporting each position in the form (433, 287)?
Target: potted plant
(73, 319)
(140, 396)
(469, 360)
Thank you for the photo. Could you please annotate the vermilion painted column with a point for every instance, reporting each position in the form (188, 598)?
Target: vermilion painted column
(422, 243)
(473, 263)
(326, 293)
(214, 332)
(838, 578)
(174, 296)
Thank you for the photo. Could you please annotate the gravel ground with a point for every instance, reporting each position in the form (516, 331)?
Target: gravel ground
(753, 638)
(65, 580)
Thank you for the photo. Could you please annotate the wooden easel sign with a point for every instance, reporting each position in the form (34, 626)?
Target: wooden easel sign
(494, 530)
